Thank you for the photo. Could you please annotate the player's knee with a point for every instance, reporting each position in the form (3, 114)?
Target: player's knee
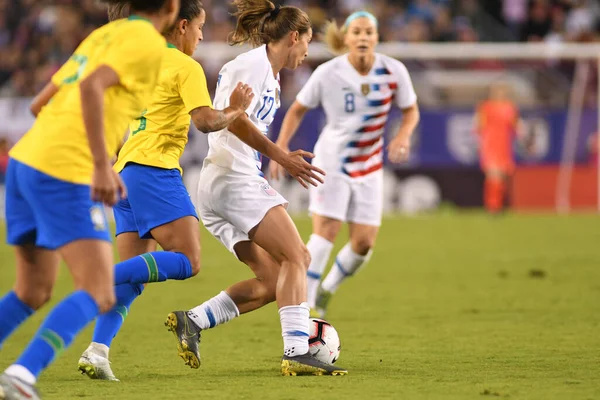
(298, 257)
(34, 297)
(363, 245)
(329, 233)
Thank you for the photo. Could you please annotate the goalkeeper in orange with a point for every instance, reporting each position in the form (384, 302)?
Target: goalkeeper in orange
(498, 125)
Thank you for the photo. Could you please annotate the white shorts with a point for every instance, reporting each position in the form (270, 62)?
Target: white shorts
(230, 204)
(349, 200)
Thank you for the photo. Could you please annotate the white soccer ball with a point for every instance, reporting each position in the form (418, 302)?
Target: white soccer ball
(324, 341)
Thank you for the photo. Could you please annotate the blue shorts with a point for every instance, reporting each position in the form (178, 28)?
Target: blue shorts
(49, 212)
(155, 196)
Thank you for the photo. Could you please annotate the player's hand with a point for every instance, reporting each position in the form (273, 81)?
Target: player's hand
(305, 173)
(399, 150)
(107, 186)
(241, 97)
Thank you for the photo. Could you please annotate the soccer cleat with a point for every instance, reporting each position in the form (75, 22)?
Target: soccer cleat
(188, 336)
(12, 388)
(306, 364)
(96, 366)
(321, 303)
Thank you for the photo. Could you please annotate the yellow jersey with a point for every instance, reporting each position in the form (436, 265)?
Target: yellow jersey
(57, 144)
(158, 137)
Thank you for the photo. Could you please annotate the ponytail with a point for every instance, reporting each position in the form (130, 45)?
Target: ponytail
(334, 37)
(261, 22)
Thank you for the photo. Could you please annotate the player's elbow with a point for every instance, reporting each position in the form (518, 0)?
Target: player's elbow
(412, 114)
(202, 125)
(204, 119)
(35, 109)
(89, 86)
(298, 110)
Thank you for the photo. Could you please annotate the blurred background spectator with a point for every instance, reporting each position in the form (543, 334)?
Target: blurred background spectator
(37, 36)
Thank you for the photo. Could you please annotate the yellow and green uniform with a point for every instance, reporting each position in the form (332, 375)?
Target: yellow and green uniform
(149, 160)
(57, 144)
(50, 170)
(158, 137)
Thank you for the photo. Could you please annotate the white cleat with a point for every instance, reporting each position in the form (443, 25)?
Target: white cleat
(12, 388)
(96, 366)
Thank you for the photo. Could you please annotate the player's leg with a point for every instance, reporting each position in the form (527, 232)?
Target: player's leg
(329, 207)
(364, 215)
(129, 245)
(320, 245)
(36, 267)
(244, 296)
(78, 229)
(94, 362)
(36, 274)
(348, 261)
(238, 299)
(494, 189)
(90, 264)
(277, 234)
(170, 218)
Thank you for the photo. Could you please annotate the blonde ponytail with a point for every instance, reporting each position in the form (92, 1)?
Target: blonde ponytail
(334, 37)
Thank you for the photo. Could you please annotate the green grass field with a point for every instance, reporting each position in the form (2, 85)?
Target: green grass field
(452, 306)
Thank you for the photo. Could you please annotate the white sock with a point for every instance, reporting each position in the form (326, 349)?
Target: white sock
(320, 250)
(19, 371)
(347, 262)
(216, 311)
(294, 328)
(99, 349)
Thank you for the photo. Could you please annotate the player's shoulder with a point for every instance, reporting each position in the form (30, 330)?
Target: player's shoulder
(335, 64)
(392, 64)
(255, 60)
(181, 59)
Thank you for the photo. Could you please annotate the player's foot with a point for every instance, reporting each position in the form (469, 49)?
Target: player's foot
(188, 336)
(306, 364)
(12, 388)
(323, 297)
(96, 366)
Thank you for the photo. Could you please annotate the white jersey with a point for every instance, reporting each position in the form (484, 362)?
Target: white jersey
(254, 69)
(357, 109)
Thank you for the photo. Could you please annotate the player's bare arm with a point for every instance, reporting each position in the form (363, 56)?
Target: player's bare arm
(290, 125)
(208, 120)
(399, 148)
(107, 186)
(43, 98)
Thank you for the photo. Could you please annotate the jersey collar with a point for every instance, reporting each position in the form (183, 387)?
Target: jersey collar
(171, 45)
(137, 18)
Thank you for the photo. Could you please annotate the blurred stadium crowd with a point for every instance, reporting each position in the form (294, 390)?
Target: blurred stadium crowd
(37, 36)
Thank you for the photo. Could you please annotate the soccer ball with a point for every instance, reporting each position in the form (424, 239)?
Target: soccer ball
(324, 342)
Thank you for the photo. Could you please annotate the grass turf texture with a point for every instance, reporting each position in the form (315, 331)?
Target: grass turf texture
(452, 306)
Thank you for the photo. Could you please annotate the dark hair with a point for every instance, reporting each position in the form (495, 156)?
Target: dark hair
(138, 5)
(118, 11)
(189, 9)
(261, 22)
